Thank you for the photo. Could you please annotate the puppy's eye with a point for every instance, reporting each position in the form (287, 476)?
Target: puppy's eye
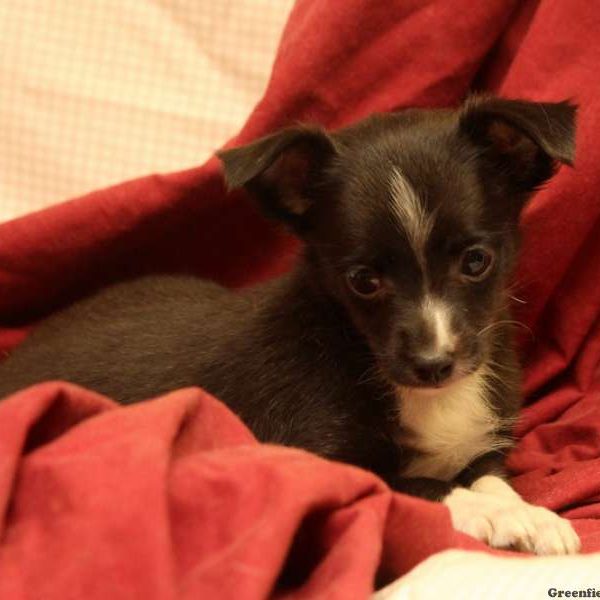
(364, 281)
(476, 263)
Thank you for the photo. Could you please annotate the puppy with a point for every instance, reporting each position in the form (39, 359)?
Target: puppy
(389, 345)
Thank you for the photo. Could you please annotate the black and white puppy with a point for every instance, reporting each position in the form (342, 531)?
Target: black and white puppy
(389, 346)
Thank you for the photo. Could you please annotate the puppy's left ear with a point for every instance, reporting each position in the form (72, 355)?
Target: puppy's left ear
(285, 171)
(524, 141)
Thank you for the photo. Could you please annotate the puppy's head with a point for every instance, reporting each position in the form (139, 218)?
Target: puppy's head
(410, 220)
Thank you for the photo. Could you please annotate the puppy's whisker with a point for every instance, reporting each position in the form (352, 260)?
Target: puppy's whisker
(370, 375)
(492, 326)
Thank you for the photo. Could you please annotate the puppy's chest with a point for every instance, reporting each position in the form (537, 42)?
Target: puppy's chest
(447, 430)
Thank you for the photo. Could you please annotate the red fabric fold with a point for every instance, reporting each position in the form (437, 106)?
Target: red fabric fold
(173, 497)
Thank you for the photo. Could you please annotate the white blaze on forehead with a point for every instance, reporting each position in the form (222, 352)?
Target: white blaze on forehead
(438, 315)
(409, 210)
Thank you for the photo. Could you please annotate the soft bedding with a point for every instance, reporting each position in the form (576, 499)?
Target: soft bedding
(174, 497)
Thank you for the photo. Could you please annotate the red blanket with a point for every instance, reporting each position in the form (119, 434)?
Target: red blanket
(173, 497)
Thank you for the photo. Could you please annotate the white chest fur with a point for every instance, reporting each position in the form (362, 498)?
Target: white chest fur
(450, 428)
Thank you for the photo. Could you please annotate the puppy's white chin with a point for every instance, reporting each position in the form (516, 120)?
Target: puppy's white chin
(428, 392)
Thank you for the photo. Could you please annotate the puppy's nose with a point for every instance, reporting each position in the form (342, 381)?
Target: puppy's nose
(434, 370)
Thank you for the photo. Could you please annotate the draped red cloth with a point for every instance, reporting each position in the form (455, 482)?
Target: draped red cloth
(173, 497)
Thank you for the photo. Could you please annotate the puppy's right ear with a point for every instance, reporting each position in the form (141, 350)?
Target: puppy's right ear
(285, 171)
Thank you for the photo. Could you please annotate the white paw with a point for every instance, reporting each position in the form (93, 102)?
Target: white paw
(510, 522)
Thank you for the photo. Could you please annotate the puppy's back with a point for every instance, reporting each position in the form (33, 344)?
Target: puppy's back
(118, 342)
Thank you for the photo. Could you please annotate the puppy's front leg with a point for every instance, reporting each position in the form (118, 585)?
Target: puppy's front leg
(491, 511)
(422, 487)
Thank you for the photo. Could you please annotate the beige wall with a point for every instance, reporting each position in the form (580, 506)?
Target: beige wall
(94, 92)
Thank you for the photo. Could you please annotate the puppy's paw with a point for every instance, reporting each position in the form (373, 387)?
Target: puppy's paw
(511, 523)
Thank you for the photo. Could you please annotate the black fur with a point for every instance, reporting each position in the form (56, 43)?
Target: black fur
(303, 360)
